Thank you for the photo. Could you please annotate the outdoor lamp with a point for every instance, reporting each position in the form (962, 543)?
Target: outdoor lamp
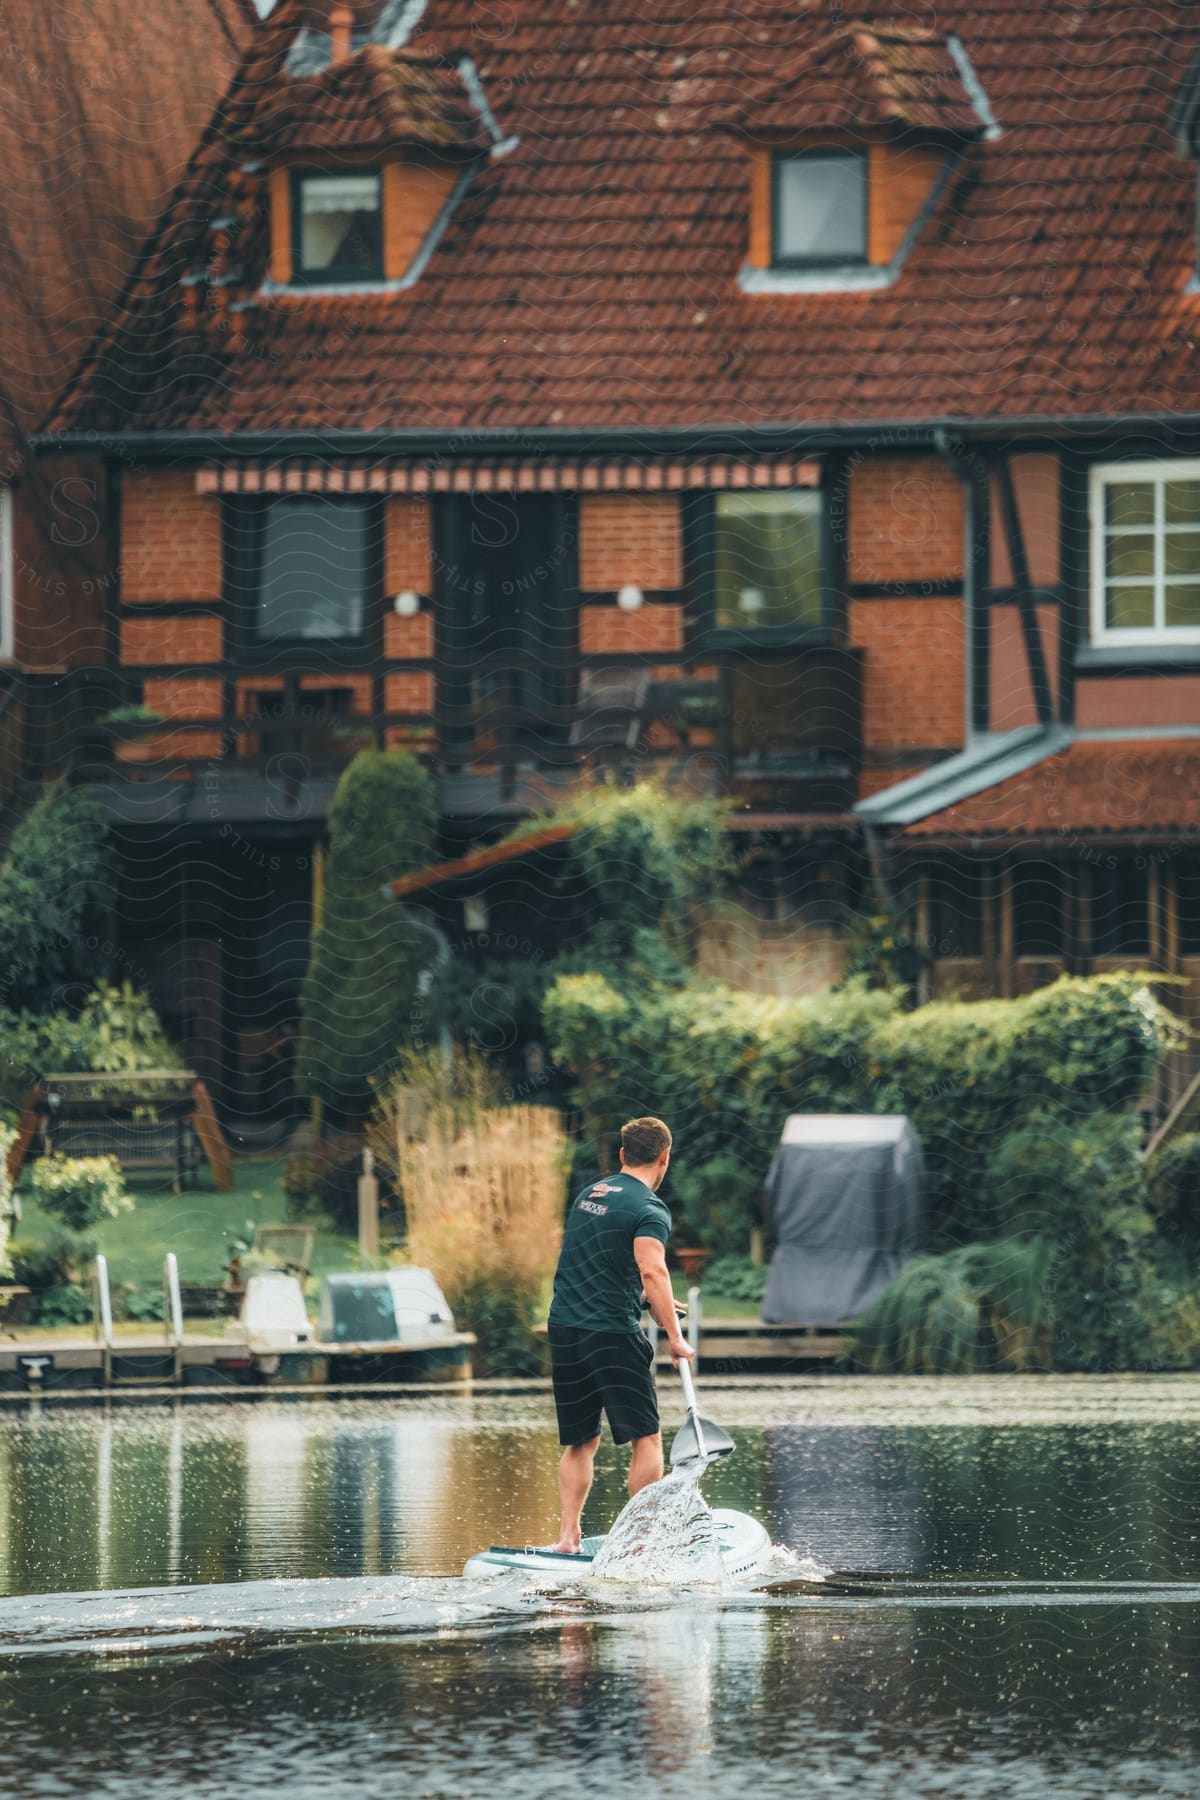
(407, 603)
(751, 599)
(629, 598)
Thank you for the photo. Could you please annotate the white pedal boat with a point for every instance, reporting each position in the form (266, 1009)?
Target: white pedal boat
(744, 1543)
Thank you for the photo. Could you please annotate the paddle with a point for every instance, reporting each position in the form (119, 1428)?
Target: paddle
(697, 1437)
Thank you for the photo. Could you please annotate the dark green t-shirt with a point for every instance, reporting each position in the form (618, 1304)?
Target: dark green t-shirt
(596, 1285)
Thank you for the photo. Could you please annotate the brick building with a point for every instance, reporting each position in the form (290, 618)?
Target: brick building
(809, 399)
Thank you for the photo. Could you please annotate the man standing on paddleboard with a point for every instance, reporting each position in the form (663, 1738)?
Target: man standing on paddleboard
(613, 1254)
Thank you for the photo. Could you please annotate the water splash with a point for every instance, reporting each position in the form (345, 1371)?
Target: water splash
(665, 1535)
(783, 1565)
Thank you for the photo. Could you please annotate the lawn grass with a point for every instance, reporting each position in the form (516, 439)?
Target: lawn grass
(714, 1305)
(199, 1225)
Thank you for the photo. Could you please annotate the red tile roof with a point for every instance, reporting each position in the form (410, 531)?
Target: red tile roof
(100, 109)
(867, 75)
(375, 99)
(589, 279)
(1094, 787)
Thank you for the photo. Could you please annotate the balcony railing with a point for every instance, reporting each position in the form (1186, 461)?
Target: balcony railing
(780, 731)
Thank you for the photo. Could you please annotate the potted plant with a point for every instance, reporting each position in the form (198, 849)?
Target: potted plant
(131, 731)
(134, 720)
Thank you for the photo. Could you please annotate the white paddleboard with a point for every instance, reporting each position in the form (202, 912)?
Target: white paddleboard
(744, 1544)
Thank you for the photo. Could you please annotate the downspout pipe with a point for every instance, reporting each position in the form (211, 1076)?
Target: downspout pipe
(878, 853)
(416, 919)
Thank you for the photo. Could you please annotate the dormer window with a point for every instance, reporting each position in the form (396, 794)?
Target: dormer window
(850, 153)
(369, 147)
(337, 223)
(819, 208)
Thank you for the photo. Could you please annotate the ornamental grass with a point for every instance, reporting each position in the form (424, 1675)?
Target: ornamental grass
(484, 1200)
(484, 1190)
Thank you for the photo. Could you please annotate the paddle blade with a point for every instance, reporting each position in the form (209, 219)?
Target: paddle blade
(686, 1447)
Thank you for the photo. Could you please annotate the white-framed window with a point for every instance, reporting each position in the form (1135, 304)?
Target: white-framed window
(337, 226)
(1145, 519)
(7, 631)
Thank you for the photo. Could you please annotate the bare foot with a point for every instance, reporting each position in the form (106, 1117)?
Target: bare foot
(569, 1546)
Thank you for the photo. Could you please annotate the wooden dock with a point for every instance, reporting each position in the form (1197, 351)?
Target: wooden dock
(59, 1365)
(233, 1366)
(747, 1347)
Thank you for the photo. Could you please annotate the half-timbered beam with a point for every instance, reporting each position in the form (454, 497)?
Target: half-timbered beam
(1035, 654)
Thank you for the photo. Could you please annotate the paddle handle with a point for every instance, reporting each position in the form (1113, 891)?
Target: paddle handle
(689, 1394)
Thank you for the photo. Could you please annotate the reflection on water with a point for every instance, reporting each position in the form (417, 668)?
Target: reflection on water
(131, 1498)
(310, 1631)
(851, 1498)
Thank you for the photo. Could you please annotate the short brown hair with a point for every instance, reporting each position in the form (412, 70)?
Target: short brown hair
(644, 1140)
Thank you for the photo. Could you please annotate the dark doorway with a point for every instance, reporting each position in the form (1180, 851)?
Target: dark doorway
(218, 927)
(507, 612)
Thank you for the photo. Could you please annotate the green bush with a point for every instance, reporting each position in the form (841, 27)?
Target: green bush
(1069, 1271)
(1170, 1322)
(117, 1031)
(69, 1304)
(646, 857)
(502, 1315)
(38, 1265)
(638, 864)
(80, 1191)
(978, 1307)
(144, 1304)
(1173, 1185)
(883, 951)
(1059, 1175)
(494, 1005)
(1081, 1184)
(357, 1001)
(735, 1278)
(55, 878)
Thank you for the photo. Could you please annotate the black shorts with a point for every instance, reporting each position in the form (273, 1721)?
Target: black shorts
(613, 1370)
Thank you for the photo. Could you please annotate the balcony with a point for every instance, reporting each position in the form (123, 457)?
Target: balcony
(780, 732)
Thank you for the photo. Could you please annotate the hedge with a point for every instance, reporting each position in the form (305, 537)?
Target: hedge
(56, 878)
(725, 1068)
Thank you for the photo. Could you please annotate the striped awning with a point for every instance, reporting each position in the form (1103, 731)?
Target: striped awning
(472, 475)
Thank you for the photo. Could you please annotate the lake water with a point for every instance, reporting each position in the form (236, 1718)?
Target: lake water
(260, 1598)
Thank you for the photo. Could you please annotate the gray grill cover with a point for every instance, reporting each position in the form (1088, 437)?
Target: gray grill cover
(845, 1194)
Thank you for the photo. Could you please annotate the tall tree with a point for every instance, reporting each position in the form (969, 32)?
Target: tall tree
(357, 1002)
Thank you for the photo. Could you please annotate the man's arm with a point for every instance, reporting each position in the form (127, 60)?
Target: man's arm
(651, 1259)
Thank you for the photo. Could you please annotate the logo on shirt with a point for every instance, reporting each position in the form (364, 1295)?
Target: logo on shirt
(593, 1206)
